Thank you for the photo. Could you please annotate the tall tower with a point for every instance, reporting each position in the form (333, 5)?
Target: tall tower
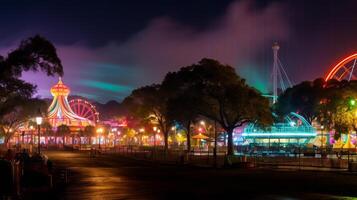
(60, 112)
(275, 48)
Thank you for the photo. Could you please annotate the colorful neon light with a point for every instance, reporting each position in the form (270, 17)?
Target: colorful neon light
(273, 134)
(60, 111)
(332, 73)
(293, 126)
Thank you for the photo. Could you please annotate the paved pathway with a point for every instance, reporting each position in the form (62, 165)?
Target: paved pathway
(114, 177)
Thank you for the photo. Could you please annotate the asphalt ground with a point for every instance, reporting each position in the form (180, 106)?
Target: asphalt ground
(117, 177)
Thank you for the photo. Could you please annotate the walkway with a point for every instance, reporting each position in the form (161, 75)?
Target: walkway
(114, 177)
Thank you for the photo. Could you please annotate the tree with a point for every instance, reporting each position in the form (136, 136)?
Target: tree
(338, 109)
(89, 132)
(47, 127)
(182, 102)
(149, 104)
(24, 111)
(63, 130)
(34, 54)
(222, 96)
(303, 98)
(182, 111)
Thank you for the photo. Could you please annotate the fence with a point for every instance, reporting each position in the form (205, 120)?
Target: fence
(256, 159)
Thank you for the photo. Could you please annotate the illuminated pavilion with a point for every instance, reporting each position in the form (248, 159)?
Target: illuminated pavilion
(294, 129)
(60, 111)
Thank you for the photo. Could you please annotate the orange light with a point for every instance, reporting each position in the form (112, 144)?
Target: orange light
(339, 65)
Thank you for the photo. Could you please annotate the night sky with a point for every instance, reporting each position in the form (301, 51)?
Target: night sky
(109, 48)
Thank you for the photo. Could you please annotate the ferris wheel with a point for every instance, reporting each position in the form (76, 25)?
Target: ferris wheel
(344, 70)
(84, 109)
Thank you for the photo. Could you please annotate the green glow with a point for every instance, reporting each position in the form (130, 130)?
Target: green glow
(106, 86)
(255, 77)
(286, 129)
(352, 102)
(86, 95)
(285, 134)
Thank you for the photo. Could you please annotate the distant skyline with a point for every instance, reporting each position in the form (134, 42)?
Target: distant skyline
(108, 48)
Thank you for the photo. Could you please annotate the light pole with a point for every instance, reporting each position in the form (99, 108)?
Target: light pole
(175, 132)
(154, 129)
(322, 140)
(31, 135)
(158, 131)
(141, 131)
(115, 131)
(215, 144)
(99, 132)
(39, 122)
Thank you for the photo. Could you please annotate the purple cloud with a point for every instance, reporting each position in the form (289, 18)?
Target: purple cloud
(165, 45)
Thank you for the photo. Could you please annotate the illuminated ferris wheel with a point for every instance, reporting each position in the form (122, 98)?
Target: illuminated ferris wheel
(344, 70)
(84, 109)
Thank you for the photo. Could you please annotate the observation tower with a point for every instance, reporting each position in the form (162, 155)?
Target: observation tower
(60, 111)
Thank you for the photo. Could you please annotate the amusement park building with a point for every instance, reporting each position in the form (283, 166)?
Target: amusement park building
(294, 129)
(60, 111)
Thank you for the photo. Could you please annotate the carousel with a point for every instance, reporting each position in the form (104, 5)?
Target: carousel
(60, 111)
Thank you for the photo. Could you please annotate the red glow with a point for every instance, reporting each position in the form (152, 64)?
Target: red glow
(333, 71)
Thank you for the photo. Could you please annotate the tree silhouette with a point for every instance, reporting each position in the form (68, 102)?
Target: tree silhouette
(24, 111)
(149, 103)
(34, 54)
(63, 130)
(89, 131)
(303, 98)
(219, 94)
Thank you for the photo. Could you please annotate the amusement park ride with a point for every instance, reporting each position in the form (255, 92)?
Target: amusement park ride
(76, 115)
(344, 70)
(84, 109)
(294, 128)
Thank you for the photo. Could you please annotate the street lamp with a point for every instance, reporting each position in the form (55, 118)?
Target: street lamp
(99, 131)
(173, 128)
(158, 131)
(39, 122)
(31, 135)
(322, 139)
(154, 129)
(141, 131)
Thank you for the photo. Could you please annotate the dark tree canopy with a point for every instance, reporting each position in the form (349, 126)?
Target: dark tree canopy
(327, 103)
(63, 130)
(33, 54)
(209, 89)
(19, 115)
(219, 94)
(303, 98)
(89, 131)
(149, 103)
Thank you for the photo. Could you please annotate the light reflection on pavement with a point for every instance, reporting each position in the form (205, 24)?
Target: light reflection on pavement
(115, 177)
(92, 179)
